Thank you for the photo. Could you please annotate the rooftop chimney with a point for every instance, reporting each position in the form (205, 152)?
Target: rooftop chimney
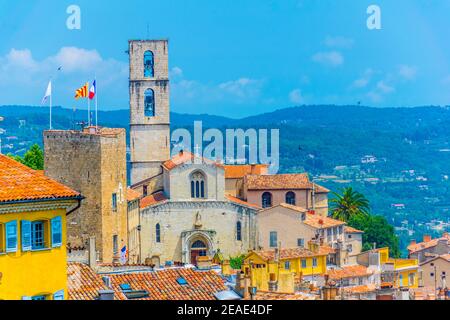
(426, 238)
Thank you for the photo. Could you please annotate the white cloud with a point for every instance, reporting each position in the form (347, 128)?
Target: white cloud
(364, 80)
(407, 72)
(338, 42)
(295, 96)
(175, 72)
(330, 58)
(384, 88)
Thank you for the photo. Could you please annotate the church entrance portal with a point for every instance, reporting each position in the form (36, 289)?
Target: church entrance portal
(198, 249)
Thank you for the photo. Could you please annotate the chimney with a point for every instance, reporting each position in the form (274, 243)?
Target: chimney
(92, 253)
(426, 238)
(413, 242)
(107, 281)
(277, 255)
(273, 283)
(181, 153)
(105, 295)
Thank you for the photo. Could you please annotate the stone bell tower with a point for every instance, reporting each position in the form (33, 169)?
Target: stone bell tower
(149, 107)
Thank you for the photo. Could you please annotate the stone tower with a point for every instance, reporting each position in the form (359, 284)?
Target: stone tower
(149, 108)
(93, 162)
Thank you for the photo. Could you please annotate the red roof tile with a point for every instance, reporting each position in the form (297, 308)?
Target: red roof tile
(239, 171)
(282, 182)
(317, 221)
(152, 199)
(19, 183)
(348, 272)
(292, 253)
(186, 157)
(132, 195)
(348, 229)
(425, 245)
(242, 202)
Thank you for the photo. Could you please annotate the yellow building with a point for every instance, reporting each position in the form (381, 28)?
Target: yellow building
(33, 211)
(285, 267)
(402, 273)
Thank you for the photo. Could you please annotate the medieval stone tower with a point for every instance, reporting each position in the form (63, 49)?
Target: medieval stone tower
(149, 107)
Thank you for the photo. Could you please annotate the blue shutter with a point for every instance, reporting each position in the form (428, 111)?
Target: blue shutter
(56, 232)
(11, 236)
(26, 235)
(59, 295)
(26, 298)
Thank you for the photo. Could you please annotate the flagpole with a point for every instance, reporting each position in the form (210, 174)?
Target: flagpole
(96, 103)
(89, 110)
(51, 109)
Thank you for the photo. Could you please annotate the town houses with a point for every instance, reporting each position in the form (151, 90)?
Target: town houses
(174, 230)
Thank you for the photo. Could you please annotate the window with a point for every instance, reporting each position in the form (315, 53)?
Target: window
(301, 242)
(145, 191)
(340, 230)
(411, 279)
(360, 281)
(266, 200)
(303, 216)
(2, 236)
(149, 103)
(314, 262)
(56, 232)
(11, 236)
(115, 245)
(37, 235)
(114, 201)
(287, 265)
(158, 233)
(273, 239)
(59, 295)
(303, 263)
(400, 278)
(238, 231)
(198, 185)
(290, 198)
(349, 248)
(38, 298)
(149, 63)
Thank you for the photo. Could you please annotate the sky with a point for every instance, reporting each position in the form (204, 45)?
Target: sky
(232, 58)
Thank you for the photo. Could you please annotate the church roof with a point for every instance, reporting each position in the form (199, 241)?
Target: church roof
(187, 157)
(152, 199)
(21, 183)
(239, 171)
(242, 202)
(282, 182)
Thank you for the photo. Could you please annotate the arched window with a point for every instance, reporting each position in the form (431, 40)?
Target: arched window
(198, 245)
(266, 200)
(238, 231)
(198, 185)
(149, 103)
(149, 63)
(290, 198)
(158, 233)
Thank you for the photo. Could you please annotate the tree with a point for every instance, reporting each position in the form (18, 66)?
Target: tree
(377, 231)
(351, 203)
(236, 262)
(33, 158)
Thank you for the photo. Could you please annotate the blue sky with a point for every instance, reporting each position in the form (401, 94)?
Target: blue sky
(232, 58)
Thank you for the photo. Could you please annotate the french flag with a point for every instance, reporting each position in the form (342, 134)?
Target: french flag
(93, 90)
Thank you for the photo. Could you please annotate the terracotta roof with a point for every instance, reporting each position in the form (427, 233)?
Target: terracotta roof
(242, 202)
(282, 182)
(348, 229)
(152, 199)
(132, 195)
(361, 289)
(287, 206)
(239, 171)
(19, 183)
(425, 245)
(292, 253)
(186, 157)
(84, 283)
(317, 221)
(267, 295)
(348, 272)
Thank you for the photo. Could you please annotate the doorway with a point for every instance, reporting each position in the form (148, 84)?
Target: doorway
(198, 249)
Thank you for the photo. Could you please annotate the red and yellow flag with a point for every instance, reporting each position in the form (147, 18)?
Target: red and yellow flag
(82, 92)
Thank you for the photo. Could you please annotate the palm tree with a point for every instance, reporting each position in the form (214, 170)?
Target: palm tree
(350, 203)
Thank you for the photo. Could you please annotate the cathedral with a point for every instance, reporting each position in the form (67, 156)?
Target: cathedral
(190, 206)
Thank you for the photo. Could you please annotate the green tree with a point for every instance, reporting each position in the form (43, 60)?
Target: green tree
(377, 231)
(349, 204)
(236, 262)
(33, 158)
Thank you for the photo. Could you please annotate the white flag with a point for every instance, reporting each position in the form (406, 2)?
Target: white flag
(48, 93)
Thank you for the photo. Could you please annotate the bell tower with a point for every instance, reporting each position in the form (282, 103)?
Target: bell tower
(149, 107)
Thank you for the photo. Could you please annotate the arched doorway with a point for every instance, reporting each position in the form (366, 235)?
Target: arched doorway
(198, 249)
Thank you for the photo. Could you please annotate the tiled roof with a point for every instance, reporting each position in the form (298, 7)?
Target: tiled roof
(266, 296)
(348, 229)
(19, 183)
(292, 253)
(152, 199)
(317, 221)
(425, 245)
(239, 171)
(282, 182)
(361, 289)
(132, 194)
(287, 206)
(242, 202)
(348, 272)
(84, 283)
(186, 157)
